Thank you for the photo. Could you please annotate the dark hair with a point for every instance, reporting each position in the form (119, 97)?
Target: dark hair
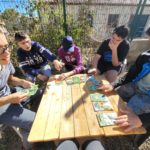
(121, 31)
(148, 31)
(19, 36)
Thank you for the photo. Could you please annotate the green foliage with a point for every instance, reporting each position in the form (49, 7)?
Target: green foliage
(49, 29)
(81, 28)
(10, 17)
(50, 32)
(47, 26)
(15, 21)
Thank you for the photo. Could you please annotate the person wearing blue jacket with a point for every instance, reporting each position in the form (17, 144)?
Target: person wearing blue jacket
(33, 58)
(135, 90)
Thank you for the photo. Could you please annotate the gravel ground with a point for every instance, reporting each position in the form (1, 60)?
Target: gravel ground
(11, 141)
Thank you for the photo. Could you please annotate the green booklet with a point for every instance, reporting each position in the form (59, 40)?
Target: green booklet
(30, 91)
(98, 97)
(106, 106)
(102, 106)
(76, 80)
(106, 119)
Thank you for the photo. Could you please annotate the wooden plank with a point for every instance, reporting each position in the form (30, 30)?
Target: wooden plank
(67, 120)
(93, 125)
(40, 121)
(53, 123)
(80, 121)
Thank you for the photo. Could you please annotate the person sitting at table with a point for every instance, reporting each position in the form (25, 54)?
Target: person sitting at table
(70, 55)
(12, 112)
(33, 58)
(111, 54)
(135, 90)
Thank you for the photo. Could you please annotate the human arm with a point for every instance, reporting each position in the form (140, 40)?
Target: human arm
(128, 120)
(94, 70)
(61, 55)
(50, 56)
(64, 75)
(14, 98)
(119, 50)
(99, 53)
(58, 65)
(95, 60)
(119, 82)
(15, 81)
(45, 52)
(114, 46)
(97, 57)
(78, 58)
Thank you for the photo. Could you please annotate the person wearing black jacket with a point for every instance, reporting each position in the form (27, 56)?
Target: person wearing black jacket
(135, 82)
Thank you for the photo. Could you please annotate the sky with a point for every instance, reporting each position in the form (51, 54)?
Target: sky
(20, 6)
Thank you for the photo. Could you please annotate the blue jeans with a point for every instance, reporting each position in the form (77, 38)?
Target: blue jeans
(137, 100)
(16, 115)
(45, 70)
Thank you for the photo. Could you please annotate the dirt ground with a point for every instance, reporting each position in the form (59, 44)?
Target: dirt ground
(11, 141)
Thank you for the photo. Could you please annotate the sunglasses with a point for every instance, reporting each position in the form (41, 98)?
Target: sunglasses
(7, 47)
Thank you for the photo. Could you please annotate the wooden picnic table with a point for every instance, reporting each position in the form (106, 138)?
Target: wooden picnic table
(66, 111)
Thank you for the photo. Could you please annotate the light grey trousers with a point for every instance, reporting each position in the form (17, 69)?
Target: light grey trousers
(70, 145)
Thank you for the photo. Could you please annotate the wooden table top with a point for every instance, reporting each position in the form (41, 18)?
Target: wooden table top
(66, 111)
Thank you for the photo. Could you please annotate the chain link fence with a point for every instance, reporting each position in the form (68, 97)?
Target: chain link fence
(87, 21)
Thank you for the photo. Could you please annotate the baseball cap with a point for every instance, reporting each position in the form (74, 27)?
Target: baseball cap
(67, 43)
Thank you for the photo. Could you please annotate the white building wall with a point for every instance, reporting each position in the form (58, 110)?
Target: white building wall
(101, 13)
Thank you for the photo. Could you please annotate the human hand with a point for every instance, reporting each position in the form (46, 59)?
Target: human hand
(42, 77)
(58, 65)
(93, 71)
(113, 46)
(26, 84)
(18, 97)
(105, 87)
(128, 120)
(60, 77)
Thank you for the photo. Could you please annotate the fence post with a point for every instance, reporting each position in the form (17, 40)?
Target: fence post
(65, 18)
(137, 16)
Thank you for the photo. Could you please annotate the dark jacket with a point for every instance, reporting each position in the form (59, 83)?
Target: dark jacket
(140, 68)
(37, 57)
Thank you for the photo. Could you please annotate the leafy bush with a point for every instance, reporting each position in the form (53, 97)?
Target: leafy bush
(47, 26)
(49, 30)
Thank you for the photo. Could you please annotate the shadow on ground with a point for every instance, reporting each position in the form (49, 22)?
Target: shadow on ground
(11, 141)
